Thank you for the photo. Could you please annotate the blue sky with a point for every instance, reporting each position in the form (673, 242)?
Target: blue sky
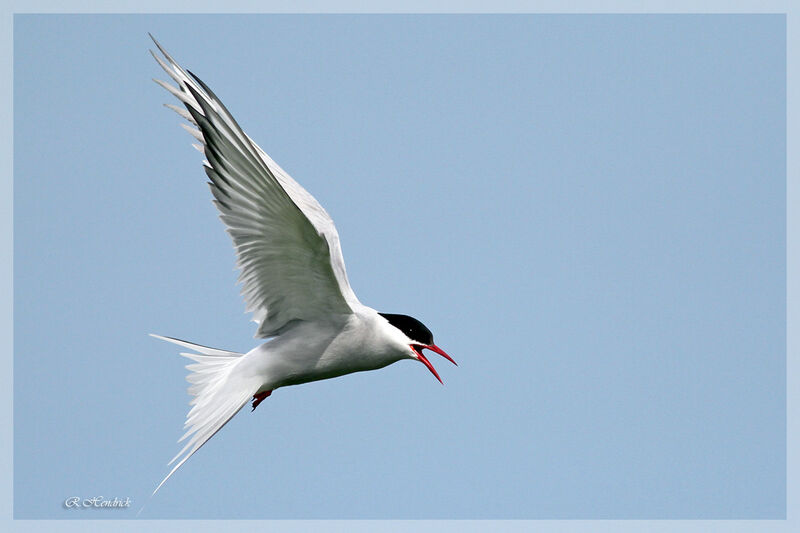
(588, 212)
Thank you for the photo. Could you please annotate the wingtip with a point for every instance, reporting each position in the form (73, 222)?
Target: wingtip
(162, 50)
(154, 40)
(158, 45)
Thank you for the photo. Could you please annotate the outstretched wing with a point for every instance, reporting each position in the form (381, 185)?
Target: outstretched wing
(286, 244)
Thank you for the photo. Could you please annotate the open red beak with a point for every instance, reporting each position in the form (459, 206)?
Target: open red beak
(424, 360)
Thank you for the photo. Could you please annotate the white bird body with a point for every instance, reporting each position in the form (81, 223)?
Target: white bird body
(293, 280)
(310, 351)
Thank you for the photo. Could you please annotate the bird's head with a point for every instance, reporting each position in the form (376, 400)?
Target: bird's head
(418, 338)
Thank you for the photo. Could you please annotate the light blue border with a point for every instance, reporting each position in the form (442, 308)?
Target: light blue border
(791, 524)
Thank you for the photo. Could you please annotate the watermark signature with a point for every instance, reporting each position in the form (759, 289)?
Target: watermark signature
(96, 502)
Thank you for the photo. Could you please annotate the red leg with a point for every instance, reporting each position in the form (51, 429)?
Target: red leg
(258, 398)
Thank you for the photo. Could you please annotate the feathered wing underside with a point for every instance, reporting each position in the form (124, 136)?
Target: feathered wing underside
(287, 247)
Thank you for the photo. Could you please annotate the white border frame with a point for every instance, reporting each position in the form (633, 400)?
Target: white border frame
(790, 9)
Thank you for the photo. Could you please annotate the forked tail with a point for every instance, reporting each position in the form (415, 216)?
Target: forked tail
(219, 393)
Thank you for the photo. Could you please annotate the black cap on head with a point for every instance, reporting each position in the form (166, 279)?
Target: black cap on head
(413, 328)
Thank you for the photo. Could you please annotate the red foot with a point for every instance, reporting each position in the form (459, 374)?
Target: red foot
(258, 398)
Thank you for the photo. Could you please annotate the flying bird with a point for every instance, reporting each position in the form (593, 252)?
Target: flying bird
(292, 274)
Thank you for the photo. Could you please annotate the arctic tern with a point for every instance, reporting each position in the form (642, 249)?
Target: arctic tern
(292, 274)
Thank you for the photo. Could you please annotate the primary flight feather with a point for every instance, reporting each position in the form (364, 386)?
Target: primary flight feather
(292, 274)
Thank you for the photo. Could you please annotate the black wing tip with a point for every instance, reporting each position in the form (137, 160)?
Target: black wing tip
(201, 84)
